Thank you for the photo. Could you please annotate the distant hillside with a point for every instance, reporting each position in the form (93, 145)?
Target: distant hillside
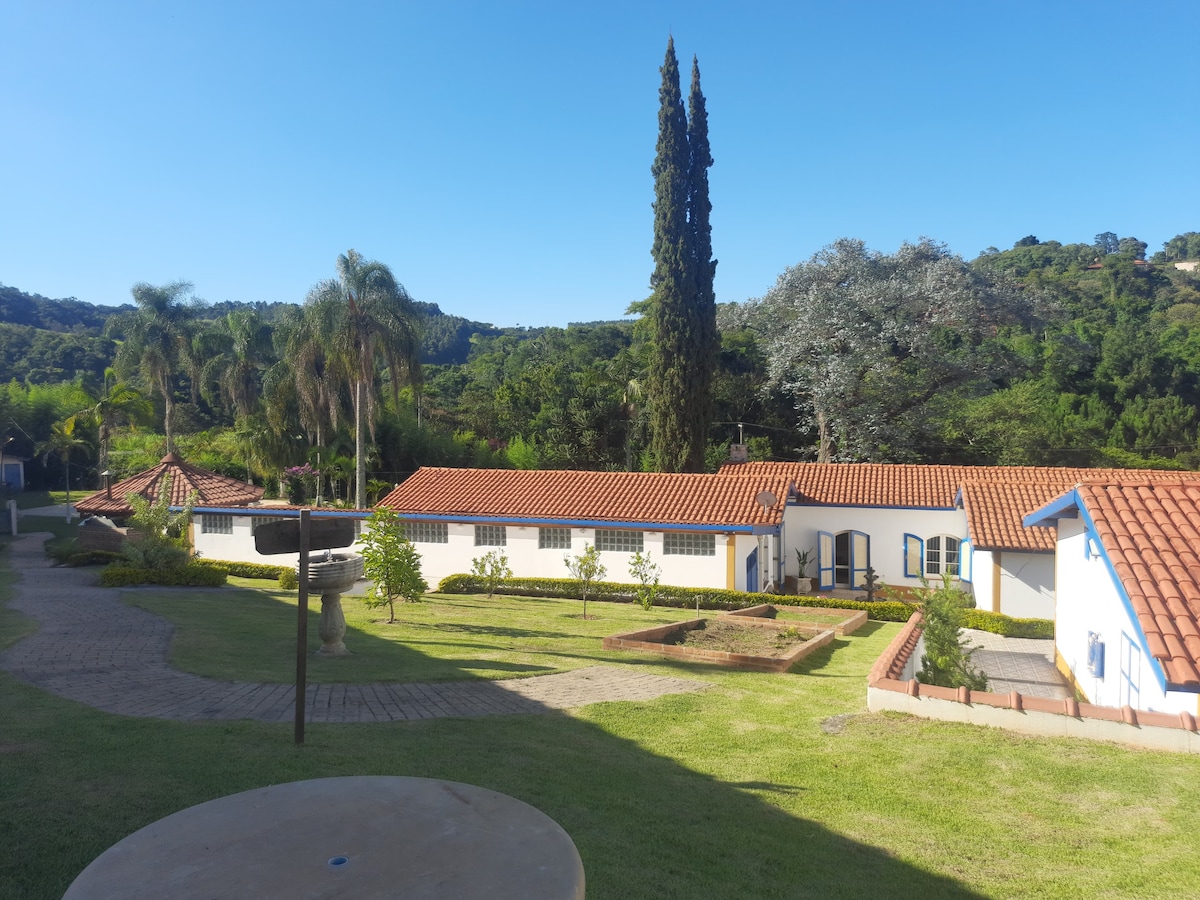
(44, 340)
(69, 315)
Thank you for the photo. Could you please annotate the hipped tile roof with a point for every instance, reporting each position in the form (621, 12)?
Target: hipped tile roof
(210, 489)
(995, 498)
(648, 497)
(1151, 533)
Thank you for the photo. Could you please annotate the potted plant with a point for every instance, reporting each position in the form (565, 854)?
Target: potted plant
(804, 584)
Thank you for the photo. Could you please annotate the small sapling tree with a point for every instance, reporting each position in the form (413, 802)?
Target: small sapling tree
(163, 542)
(647, 574)
(947, 659)
(587, 569)
(491, 567)
(391, 563)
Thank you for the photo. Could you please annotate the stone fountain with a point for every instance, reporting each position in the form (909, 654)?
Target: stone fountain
(330, 575)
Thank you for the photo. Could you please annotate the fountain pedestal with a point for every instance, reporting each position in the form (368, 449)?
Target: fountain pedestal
(330, 579)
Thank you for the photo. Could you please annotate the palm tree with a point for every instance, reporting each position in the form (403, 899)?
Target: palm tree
(116, 402)
(237, 368)
(363, 318)
(156, 333)
(62, 443)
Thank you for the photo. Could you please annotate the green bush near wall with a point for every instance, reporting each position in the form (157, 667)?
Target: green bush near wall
(670, 596)
(244, 569)
(997, 623)
(191, 575)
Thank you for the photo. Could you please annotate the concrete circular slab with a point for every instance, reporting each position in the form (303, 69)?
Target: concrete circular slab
(359, 836)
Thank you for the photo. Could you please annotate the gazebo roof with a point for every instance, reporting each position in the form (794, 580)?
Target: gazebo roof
(210, 489)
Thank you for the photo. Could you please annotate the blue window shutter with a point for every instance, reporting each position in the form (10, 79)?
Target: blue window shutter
(860, 557)
(824, 561)
(914, 556)
(965, 561)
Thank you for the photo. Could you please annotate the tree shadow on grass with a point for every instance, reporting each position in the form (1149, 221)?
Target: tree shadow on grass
(647, 824)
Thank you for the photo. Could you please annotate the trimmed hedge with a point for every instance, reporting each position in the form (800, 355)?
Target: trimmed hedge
(243, 569)
(93, 558)
(997, 623)
(191, 575)
(669, 595)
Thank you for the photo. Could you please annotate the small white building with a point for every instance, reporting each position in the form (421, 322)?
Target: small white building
(909, 522)
(1127, 630)
(701, 530)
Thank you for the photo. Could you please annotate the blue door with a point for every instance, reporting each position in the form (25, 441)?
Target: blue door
(752, 583)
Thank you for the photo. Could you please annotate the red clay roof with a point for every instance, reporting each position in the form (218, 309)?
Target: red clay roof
(995, 498)
(1151, 533)
(210, 488)
(589, 496)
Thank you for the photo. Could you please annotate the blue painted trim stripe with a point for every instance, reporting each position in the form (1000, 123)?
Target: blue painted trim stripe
(277, 513)
(868, 506)
(495, 520)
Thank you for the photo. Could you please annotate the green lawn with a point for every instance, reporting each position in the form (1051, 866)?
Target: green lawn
(247, 633)
(763, 786)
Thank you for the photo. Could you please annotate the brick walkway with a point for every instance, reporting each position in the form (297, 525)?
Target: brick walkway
(93, 648)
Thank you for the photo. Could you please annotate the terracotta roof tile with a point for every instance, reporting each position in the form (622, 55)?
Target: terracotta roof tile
(210, 488)
(995, 498)
(589, 496)
(1146, 529)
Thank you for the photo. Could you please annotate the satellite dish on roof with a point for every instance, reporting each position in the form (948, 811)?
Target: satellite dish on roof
(766, 499)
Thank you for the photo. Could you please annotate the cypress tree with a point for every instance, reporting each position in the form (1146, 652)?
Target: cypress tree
(704, 268)
(683, 344)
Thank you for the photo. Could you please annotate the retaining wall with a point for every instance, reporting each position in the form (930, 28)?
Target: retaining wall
(1016, 712)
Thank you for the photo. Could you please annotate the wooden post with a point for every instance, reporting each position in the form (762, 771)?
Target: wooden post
(302, 627)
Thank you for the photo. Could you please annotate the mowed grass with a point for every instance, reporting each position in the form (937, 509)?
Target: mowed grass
(249, 634)
(762, 786)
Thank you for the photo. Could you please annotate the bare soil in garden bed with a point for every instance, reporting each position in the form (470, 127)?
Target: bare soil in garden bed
(733, 637)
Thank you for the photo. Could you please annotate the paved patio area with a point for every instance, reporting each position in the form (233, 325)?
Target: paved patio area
(92, 648)
(1018, 664)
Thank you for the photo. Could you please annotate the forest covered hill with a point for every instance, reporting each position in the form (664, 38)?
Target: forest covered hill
(1102, 367)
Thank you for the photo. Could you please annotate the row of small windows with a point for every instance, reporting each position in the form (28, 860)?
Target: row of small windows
(613, 540)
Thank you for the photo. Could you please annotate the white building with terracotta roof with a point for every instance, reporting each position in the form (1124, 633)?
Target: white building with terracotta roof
(702, 530)
(1127, 624)
(909, 522)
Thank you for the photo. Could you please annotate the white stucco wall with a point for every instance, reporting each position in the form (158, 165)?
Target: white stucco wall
(1089, 601)
(524, 558)
(1026, 583)
(527, 561)
(239, 546)
(885, 528)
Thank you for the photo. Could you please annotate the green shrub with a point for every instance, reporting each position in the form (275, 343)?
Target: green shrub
(998, 623)
(669, 595)
(94, 558)
(191, 575)
(245, 569)
(288, 579)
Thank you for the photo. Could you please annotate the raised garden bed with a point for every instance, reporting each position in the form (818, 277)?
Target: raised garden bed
(751, 642)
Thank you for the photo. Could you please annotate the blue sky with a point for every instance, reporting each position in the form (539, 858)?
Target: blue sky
(497, 155)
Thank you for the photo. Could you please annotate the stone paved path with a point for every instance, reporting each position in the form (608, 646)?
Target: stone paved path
(1018, 664)
(93, 648)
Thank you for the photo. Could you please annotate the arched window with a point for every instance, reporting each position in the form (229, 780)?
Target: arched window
(941, 555)
(935, 556)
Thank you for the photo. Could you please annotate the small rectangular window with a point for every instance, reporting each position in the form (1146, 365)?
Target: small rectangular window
(554, 538)
(490, 536)
(217, 524)
(427, 532)
(689, 544)
(255, 521)
(618, 541)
